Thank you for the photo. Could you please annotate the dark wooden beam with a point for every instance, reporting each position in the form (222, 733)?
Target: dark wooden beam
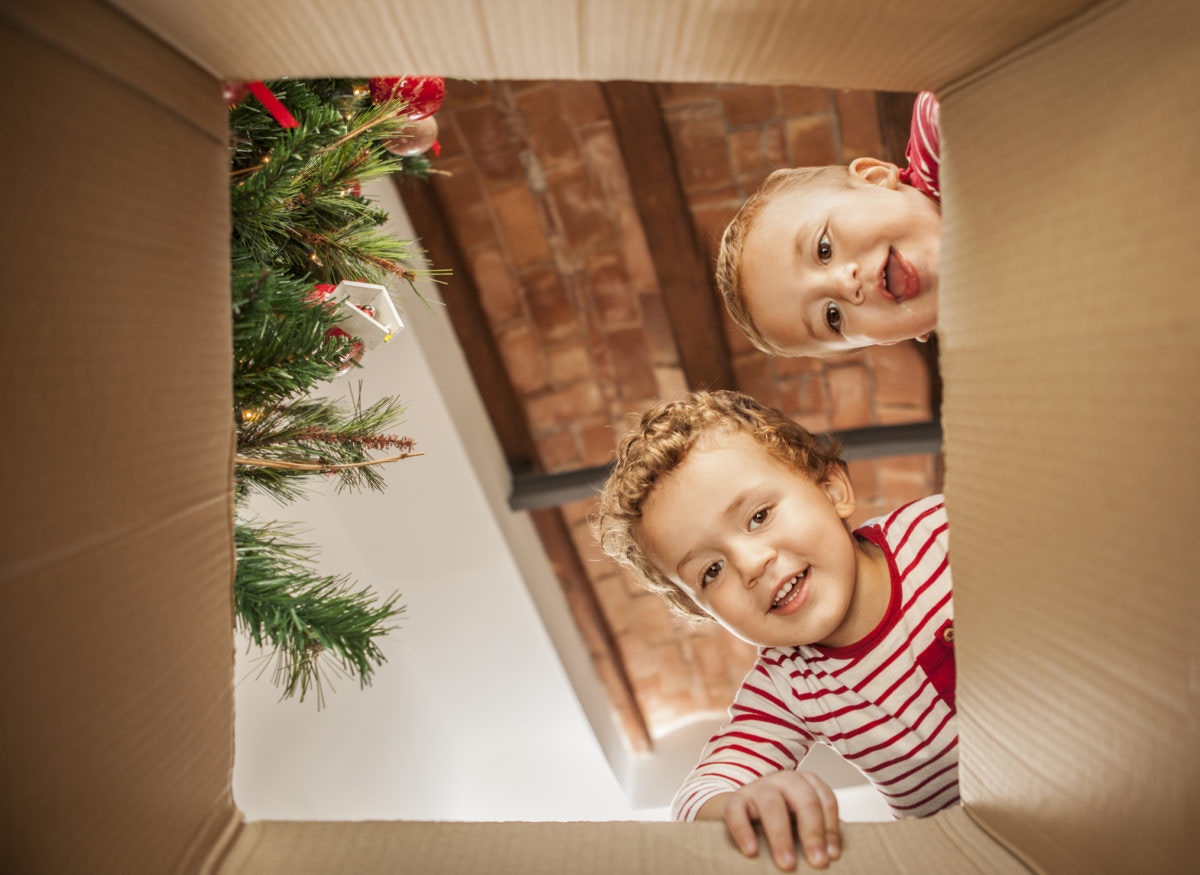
(593, 624)
(467, 316)
(532, 491)
(684, 276)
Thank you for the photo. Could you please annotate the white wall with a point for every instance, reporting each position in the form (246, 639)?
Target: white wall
(473, 715)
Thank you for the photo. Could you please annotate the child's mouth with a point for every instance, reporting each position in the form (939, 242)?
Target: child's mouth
(792, 593)
(899, 280)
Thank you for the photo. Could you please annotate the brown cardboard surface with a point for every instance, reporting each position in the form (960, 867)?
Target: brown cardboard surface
(115, 568)
(1070, 331)
(948, 843)
(889, 44)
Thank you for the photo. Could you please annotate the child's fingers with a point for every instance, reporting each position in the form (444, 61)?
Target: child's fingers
(829, 805)
(741, 827)
(804, 798)
(775, 819)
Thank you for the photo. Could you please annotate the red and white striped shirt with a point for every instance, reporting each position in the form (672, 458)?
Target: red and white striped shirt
(885, 703)
(924, 150)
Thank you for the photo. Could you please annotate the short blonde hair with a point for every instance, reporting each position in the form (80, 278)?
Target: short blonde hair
(733, 241)
(660, 442)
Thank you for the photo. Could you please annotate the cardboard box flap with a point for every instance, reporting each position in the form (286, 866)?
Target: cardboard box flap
(948, 844)
(892, 45)
(1070, 325)
(116, 560)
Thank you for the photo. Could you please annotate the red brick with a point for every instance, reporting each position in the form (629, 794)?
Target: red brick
(810, 142)
(609, 289)
(599, 441)
(569, 363)
(558, 451)
(799, 100)
(521, 224)
(580, 206)
(614, 601)
(549, 130)
(906, 478)
(902, 382)
(754, 377)
(634, 250)
(676, 676)
(865, 478)
(583, 102)
(774, 146)
(652, 620)
(701, 151)
(748, 156)
(577, 512)
(673, 94)
(636, 650)
(660, 338)
(788, 366)
(631, 363)
(522, 359)
(464, 201)
(563, 406)
(849, 396)
(672, 382)
(739, 343)
(606, 165)
(498, 290)
(486, 132)
(749, 104)
(711, 213)
(549, 307)
(860, 125)
(461, 94)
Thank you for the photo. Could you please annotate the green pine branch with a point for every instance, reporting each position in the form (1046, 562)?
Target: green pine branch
(311, 624)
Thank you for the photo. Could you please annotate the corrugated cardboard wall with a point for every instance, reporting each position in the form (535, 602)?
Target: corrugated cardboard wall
(1070, 328)
(114, 583)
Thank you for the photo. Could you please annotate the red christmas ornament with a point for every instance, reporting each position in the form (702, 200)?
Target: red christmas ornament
(234, 93)
(424, 94)
(416, 137)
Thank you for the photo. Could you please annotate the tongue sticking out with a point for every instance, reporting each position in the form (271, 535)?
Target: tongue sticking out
(902, 280)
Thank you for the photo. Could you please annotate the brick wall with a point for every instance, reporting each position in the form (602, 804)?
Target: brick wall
(539, 198)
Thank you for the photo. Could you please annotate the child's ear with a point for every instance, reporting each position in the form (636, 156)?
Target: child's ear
(875, 172)
(840, 490)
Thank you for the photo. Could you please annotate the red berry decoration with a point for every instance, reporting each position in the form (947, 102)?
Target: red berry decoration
(424, 94)
(234, 93)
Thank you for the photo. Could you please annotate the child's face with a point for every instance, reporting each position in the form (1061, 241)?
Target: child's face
(827, 269)
(758, 545)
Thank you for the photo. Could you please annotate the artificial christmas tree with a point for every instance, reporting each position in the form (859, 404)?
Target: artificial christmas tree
(310, 267)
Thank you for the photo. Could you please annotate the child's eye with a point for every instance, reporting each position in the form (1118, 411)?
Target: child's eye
(711, 573)
(833, 317)
(824, 248)
(760, 517)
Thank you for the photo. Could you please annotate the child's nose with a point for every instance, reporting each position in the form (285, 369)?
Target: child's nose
(757, 558)
(849, 283)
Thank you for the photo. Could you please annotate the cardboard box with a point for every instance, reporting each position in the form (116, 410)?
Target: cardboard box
(1070, 330)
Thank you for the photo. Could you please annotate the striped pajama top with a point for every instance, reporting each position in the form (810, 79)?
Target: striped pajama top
(885, 703)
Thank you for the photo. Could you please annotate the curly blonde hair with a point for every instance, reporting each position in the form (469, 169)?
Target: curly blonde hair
(733, 241)
(660, 442)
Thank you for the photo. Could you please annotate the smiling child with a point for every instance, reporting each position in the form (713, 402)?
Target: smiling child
(821, 260)
(733, 512)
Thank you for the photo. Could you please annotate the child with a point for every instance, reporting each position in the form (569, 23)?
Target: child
(826, 259)
(733, 512)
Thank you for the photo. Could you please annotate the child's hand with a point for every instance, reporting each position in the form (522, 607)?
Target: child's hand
(774, 801)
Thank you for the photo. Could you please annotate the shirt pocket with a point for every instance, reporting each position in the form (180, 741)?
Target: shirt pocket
(937, 661)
